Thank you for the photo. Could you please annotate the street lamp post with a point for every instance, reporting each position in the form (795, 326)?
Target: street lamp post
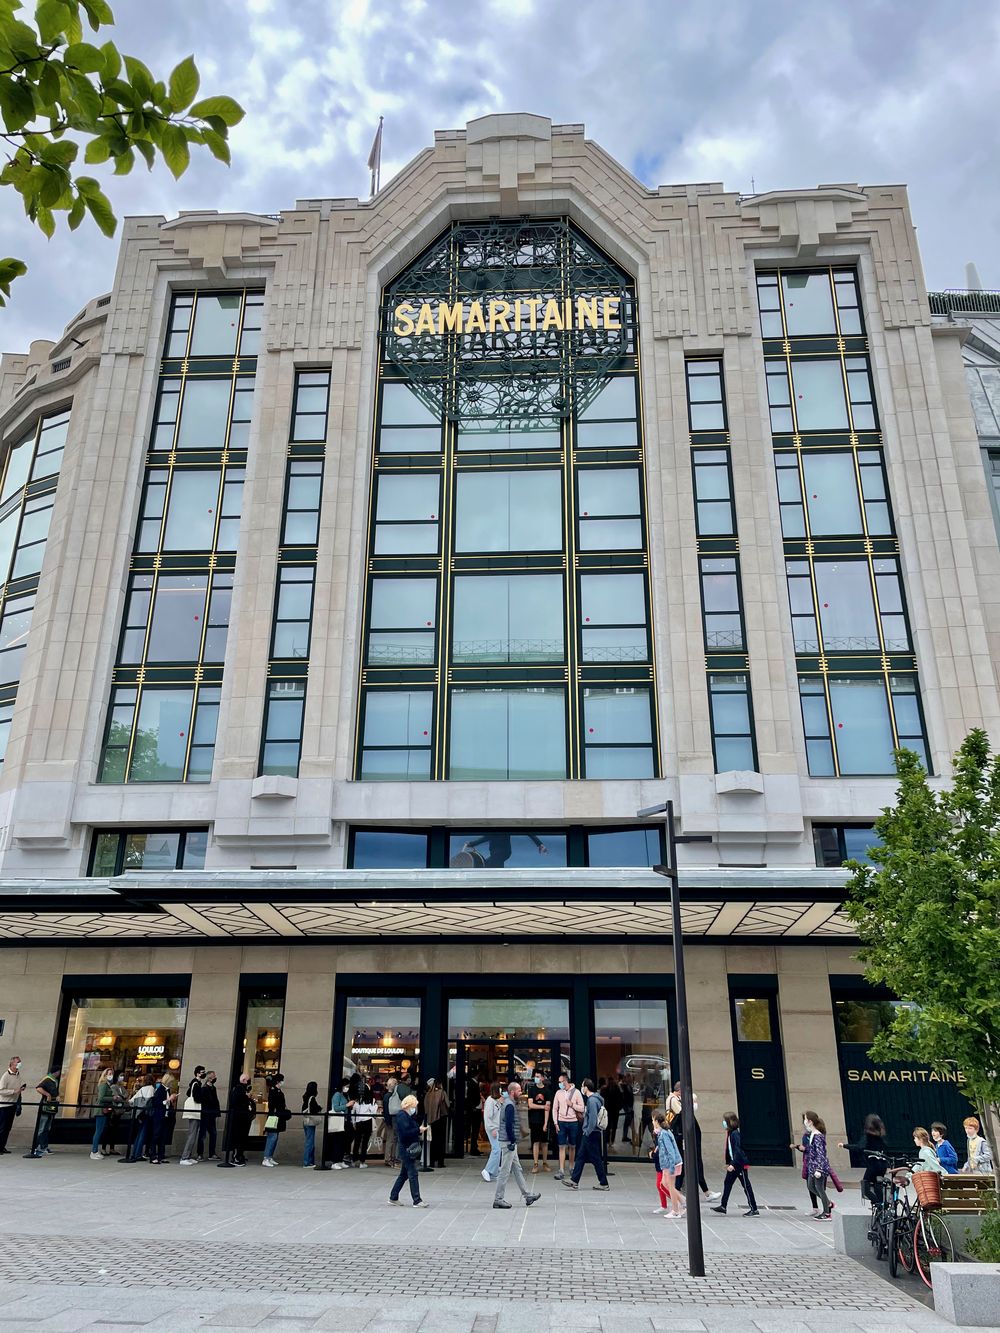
(696, 1249)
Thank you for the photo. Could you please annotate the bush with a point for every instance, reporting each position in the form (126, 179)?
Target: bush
(986, 1246)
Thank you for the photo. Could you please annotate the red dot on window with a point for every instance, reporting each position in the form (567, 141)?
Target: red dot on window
(433, 515)
(840, 726)
(429, 622)
(591, 730)
(587, 619)
(586, 513)
(814, 495)
(180, 733)
(196, 617)
(425, 733)
(826, 604)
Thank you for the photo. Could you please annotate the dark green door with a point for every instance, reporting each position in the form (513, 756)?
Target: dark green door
(760, 1078)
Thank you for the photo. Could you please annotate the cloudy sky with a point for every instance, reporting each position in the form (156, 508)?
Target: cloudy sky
(781, 93)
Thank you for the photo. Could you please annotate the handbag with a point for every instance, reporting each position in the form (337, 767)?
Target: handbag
(311, 1121)
(272, 1122)
(415, 1150)
(192, 1111)
(335, 1124)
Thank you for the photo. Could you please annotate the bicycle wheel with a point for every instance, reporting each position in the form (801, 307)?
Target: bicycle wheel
(904, 1243)
(880, 1240)
(932, 1244)
(893, 1251)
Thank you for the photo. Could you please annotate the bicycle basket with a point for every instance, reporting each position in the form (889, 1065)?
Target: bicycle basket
(928, 1187)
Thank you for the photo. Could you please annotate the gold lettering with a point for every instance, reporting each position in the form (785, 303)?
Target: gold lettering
(533, 302)
(878, 1076)
(757, 1073)
(450, 317)
(586, 312)
(474, 322)
(517, 315)
(425, 320)
(892, 1076)
(553, 316)
(499, 313)
(609, 304)
(569, 313)
(403, 326)
(906, 1076)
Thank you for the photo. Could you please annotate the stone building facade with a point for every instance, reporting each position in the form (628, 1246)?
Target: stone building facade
(242, 843)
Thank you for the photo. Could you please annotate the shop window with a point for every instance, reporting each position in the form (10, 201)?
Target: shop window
(508, 1018)
(396, 735)
(613, 618)
(135, 1037)
(862, 1020)
(302, 502)
(732, 722)
(382, 1039)
(626, 847)
(119, 852)
(293, 612)
(283, 717)
(609, 509)
(837, 843)
(406, 513)
(715, 515)
(753, 1019)
(258, 1047)
(508, 618)
(498, 849)
(402, 621)
(633, 1050)
(609, 419)
(508, 734)
(618, 732)
(312, 395)
(387, 849)
(720, 595)
(706, 401)
(508, 511)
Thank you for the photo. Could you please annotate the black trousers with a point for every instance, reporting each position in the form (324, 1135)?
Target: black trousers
(239, 1134)
(474, 1124)
(439, 1133)
(7, 1116)
(359, 1141)
(679, 1136)
(741, 1174)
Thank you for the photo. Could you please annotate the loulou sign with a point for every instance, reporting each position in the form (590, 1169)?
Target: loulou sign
(533, 314)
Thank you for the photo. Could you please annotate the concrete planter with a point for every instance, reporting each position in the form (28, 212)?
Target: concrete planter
(967, 1294)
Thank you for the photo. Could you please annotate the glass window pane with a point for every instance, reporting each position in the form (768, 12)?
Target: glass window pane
(105, 854)
(819, 395)
(831, 493)
(609, 491)
(619, 716)
(216, 325)
(499, 734)
(380, 849)
(178, 618)
(707, 416)
(406, 539)
(858, 840)
(402, 407)
(403, 603)
(191, 511)
(711, 481)
(826, 841)
(301, 529)
(8, 535)
(410, 440)
(846, 607)
(626, 847)
(18, 463)
(734, 753)
(613, 599)
(398, 717)
(161, 735)
(508, 618)
(615, 645)
(861, 725)
(495, 849)
(508, 511)
(615, 400)
(753, 1020)
(610, 534)
(730, 712)
(400, 647)
(195, 847)
(808, 307)
(530, 434)
(395, 765)
(606, 434)
(715, 518)
(204, 415)
(154, 850)
(704, 389)
(408, 497)
(621, 761)
(632, 1050)
(135, 1036)
(291, 640)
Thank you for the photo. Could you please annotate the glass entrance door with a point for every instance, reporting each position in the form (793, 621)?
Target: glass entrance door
(480, 1063)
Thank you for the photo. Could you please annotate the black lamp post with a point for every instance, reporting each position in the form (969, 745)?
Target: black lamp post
(696, 1249)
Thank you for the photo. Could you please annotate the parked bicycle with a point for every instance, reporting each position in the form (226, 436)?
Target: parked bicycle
(913, 1235)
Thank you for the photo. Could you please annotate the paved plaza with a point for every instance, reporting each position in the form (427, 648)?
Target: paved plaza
(95, 1245)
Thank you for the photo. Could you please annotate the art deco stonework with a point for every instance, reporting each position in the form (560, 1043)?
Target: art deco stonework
(366, 566)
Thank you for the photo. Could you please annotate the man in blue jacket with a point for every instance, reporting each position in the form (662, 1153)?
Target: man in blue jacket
(509, 1162)
(595, 1121)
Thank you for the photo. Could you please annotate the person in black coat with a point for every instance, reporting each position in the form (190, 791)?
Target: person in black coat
(210, 1112)
(242, 1109)
(160, 1115)
(278, 1116)
(737, 1164)
(408, 1133)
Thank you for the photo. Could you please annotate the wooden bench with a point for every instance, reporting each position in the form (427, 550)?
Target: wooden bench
(966, 1194)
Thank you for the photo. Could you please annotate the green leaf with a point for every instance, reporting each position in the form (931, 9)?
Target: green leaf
(84, 57)
(97, 151)
(9, 270)
(47, 89)
(45, 221)
(112, 61)
(22, 40)
(89, 102)
(174, 148)
(216, 145)
(17, 105)
(77, 212)
(184, 84)
(228, 111)
(53, 19)
(100, 211)
(98, 12)
(147, 150)
(140, 77)
(124, 162)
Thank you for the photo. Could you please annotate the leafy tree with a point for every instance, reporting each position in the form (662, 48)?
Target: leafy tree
(59, 93)
(927, 913)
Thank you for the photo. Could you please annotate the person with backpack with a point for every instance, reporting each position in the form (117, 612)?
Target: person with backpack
(567, 1112)
(278, 1117)
(595, 1122)
(737, 1167)
(191, 1115)
(666, 1158)
(510, 1163)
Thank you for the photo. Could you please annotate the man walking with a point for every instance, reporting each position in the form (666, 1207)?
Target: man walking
(509, 1161)
(595, 1121)
(391, 1106)
(567, 1112)
(11, 1087)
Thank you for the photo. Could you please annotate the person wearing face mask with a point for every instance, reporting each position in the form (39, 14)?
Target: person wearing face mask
(12, 1085)
(816, 1165)
(242, 1109)
(568, 1112)
(674, 1122)
(408, 1134)
(492, 1112)
(210, 1112)
(737, 1166)
(539, 1110)
(191, 1115)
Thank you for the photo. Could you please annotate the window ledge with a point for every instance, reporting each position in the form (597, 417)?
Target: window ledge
(739, 782)
(274, 787)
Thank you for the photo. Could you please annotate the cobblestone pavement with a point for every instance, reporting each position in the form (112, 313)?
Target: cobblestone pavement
(91, 1245)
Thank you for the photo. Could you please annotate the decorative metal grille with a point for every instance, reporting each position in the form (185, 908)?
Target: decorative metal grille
(520, 379)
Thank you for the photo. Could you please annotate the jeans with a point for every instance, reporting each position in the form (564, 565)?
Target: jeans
(407, 1171)
(493, 1165)
(309, 1155)
(741, 1174)
(510, 1164)
(590, 1150)
(141, 1134)
(44, 1130)
(99, 1122)
(270, 1144)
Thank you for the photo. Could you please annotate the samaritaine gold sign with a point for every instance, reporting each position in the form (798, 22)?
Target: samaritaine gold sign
(531, 314)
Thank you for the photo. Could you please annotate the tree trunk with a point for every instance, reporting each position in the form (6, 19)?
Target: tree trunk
(989, 1114)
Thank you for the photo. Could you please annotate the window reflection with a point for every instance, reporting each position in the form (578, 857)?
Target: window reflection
(494, 849)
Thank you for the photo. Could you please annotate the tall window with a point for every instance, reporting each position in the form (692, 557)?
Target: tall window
(507, 631)
(30, 473)
(284, 707)
(164, 705)
(857, 673)
(728, 675)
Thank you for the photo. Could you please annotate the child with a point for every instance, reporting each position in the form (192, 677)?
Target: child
(668, 1167)
(816, 1165)
(946, 1154)
(927, 1159)
(737, 1166)
(980, 1161)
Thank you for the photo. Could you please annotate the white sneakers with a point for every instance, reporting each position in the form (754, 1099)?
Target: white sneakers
(95, 1156)
(713, 1194)
(338, 1166)
(269, 1161)
(187, 1161)
(485, 1175)
(362, 1166)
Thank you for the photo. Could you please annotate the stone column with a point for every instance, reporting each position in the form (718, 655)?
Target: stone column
(712, 1066)
(30, 983)
(308, 1031)
(211, 1021)
(812, 1071)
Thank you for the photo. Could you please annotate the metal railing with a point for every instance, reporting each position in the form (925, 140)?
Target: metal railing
(958, 301)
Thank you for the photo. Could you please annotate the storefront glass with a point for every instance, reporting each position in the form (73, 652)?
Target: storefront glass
(261, 1049)
(505, 1018)
(633, 1051)
(135, 1037)
(382, 1039)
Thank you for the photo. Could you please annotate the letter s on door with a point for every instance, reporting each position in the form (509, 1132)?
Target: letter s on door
(756, 1073)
